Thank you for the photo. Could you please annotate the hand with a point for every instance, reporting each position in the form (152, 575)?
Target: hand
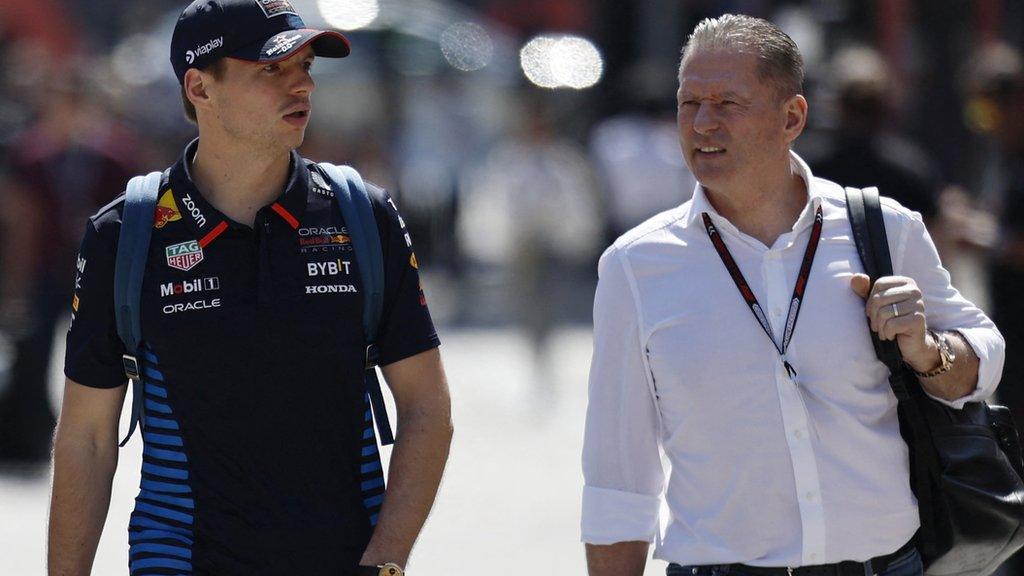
(910, 328)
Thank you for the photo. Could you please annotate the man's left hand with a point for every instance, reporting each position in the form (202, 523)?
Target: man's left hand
(895, 308)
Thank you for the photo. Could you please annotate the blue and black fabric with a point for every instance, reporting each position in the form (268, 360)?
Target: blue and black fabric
(259, 445)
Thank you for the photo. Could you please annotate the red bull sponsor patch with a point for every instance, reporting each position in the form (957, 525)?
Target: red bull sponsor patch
(184, 256)
(273, 8)
(166, 210)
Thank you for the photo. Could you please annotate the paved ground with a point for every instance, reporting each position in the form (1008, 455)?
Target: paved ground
(510, 501)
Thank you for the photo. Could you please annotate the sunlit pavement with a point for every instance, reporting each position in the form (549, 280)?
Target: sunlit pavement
(510, 501)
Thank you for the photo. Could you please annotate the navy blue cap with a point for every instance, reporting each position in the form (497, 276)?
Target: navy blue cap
(255, 30)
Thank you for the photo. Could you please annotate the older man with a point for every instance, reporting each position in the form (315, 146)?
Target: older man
(783, 438)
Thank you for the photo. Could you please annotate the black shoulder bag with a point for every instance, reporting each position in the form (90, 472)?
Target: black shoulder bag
(965, 465)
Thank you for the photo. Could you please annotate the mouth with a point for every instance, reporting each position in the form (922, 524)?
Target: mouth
(709, 151)
(298, 114)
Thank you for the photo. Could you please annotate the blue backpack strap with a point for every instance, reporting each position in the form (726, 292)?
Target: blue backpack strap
(132, 249)
(357, 210)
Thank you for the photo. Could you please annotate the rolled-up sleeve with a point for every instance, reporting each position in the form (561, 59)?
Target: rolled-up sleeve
(946, 309)
(623, 475)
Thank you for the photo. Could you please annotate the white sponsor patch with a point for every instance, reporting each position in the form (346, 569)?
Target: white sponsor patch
(189, 286)
(282, 44)
(204, 49)
(332, 268)
(314, 231)
(184, 256)
(193, 210)
(187, 306)
(273, 8)
(330, 289)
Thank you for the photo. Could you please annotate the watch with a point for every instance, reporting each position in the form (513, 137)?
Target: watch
(946, 356)
(386, 569)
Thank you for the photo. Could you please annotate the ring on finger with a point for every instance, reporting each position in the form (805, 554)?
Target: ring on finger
(895, 309)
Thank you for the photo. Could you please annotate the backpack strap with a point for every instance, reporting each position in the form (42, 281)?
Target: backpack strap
(357, 210)
(865, 212)
(132, 249)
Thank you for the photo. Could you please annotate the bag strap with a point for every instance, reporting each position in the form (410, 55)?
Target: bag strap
(132, 249)
(865, 212)
(357, 210)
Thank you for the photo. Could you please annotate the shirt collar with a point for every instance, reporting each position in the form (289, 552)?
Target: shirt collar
(203, 217)
(815, 193)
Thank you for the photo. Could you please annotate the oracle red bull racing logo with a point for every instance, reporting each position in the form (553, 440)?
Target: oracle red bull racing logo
(184, 256)
(166, 210)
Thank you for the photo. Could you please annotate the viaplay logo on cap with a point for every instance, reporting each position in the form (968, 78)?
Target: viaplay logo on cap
(273, 8)
(204, 49)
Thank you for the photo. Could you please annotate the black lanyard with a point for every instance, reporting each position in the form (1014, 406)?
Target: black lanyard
(748, 294)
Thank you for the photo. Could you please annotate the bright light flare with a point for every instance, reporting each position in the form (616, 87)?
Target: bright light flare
(467, 46)
(349, 14)
(562, 62)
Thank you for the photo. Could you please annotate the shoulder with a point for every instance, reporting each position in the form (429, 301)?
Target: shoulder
(107, 220)
(894, 213)
(655, 233)
(898, 218)
(652, 229)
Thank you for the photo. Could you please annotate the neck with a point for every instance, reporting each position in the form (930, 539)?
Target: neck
(236, 181)
(764, 210)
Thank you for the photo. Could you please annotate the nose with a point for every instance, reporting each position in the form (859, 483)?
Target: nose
(704, 120)
(303, 83)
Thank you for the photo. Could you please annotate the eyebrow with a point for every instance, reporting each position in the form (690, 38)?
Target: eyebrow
(728, 95)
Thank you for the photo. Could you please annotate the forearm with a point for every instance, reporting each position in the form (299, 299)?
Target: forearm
(82, 478)
(417, 463)
(962, 378)
(619, 559)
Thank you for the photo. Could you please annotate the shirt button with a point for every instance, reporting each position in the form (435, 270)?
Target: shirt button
(798, 434)
(810, 496)
(813, 556)
(776, 312)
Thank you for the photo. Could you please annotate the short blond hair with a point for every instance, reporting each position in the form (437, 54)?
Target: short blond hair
(779, 61)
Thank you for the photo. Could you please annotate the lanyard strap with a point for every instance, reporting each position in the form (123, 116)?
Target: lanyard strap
(748, 294)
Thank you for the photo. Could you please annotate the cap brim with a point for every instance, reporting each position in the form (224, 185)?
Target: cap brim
(284, 45)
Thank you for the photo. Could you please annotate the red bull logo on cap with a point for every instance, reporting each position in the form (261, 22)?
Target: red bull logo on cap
(166, 210)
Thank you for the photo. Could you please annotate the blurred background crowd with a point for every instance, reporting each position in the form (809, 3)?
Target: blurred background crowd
(519, 137)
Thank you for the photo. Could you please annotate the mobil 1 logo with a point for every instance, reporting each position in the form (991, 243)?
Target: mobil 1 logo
(189, 286)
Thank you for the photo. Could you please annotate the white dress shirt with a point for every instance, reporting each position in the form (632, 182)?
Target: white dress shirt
(765, 470)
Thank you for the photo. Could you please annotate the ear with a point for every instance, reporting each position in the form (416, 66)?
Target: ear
(196, 84)
(795, 108)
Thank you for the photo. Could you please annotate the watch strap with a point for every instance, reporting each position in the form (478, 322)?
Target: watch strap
(945, 357)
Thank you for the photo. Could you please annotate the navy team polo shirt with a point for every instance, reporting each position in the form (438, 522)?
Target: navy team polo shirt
(259, 455)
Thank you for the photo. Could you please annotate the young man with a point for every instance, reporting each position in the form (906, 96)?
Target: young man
(781, 429)
(259, 457)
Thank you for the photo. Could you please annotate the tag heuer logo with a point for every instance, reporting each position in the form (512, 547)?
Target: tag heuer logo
(273, 8)
(184, 256)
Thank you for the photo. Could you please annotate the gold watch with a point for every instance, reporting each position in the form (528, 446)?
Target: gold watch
(390, 569)
(946, 356)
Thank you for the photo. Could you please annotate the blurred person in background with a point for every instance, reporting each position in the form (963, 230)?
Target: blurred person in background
(637, 153)
(66, 164)
(533, 205)
(992, 224)
(258, 448)
(769, 402)
(865, 150)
